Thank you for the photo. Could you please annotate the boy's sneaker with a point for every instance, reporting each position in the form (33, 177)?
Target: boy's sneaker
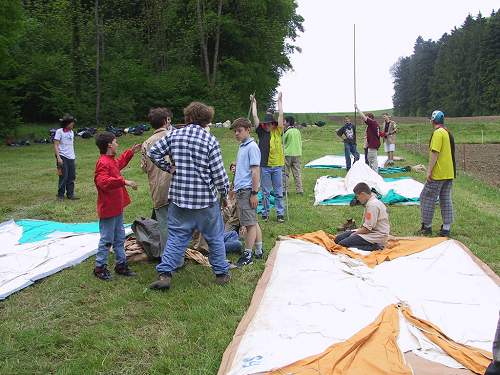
(425, 231)
(222, 279)
(259, 256)
(265, 218)
(444, 232)
(124, 270)
(163, 282)
(245, 259)
(280, 218)
(73, 198)
(102, 273)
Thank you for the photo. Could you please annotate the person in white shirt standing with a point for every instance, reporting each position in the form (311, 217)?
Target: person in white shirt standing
(65, 157)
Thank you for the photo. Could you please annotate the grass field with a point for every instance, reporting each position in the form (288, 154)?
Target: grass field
(72, 323)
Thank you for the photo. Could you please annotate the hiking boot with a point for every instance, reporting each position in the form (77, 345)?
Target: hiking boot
(102, 273)
(163, 282)
(443, 232)
(425, 231)
(222, 279)
(280, 219)
(245, 259)
(73, 198)
(265, 218)
(124, 270)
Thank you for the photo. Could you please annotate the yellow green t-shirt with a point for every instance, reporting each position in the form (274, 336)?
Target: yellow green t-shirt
(440, 142)
(276, 157)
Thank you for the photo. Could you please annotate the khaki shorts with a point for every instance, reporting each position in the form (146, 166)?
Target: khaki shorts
(248, 215)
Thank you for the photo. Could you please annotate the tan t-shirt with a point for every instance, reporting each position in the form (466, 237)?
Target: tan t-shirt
(159, 181)
(376, 221)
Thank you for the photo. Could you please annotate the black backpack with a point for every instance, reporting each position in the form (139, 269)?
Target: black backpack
(147, 235)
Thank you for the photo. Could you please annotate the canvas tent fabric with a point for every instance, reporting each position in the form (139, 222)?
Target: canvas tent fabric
(396, 247)
(361, 353)
(34, 249)
(309, 299)
(337, 190)
(338, 162)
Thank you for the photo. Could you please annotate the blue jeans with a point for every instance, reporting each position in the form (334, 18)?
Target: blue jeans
(349, 239)
(348, 150)
(112, 233)
(181, 224)
(162, 219)
(272, 179)
(232, 242)
(66, 181)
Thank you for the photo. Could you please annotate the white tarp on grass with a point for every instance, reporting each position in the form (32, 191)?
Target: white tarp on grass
(21, 264)
(338, 161)
(327, 187)
(311, 299)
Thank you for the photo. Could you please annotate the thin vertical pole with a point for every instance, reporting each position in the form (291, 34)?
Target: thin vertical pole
(482, 136)
(354, 69)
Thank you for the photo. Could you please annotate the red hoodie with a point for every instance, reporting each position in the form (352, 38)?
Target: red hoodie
(112, 196)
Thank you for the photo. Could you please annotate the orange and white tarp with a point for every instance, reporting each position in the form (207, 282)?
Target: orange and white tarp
(309, 300)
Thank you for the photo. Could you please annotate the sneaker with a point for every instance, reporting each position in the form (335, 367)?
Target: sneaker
(124, 270)
(425, 231)
(265, 218)
(102, 273)
(163, 282)
(73, 198)
(245, 259)
(259, 256)
(300, 193)
(222, 279)
(280, 218)
(443, 232)
(60, 199)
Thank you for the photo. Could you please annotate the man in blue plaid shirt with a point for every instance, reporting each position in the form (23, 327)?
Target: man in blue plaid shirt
(198, 177)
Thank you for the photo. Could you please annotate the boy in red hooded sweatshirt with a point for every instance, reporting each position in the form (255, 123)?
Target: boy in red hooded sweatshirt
(112, 197)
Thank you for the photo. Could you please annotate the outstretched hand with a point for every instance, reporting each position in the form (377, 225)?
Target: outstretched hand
(131, 183)
(136, 148)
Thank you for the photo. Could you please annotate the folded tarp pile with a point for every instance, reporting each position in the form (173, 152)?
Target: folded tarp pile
(338, 190)
(34, 249)
(432, 309)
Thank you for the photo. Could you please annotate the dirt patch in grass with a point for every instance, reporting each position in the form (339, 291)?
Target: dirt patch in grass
(478, 160)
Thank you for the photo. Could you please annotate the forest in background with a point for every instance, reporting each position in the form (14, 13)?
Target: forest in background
(460, 73)
(109, 61)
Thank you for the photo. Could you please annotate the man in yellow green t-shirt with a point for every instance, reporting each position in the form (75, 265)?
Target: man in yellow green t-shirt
(272, 160)
(440, 175)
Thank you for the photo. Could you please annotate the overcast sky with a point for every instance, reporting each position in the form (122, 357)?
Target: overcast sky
(322, 80)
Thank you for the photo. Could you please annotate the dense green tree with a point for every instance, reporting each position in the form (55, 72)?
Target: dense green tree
(150, 53)
(460, 73)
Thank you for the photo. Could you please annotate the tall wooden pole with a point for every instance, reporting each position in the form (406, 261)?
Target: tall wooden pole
(355, 114)
(97, 67)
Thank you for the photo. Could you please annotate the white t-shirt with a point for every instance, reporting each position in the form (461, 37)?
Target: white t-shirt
(66, 148)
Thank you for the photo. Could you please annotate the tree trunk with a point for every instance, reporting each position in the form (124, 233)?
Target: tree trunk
(216, 47)
(203, 41)
(97, 63)
(76, 52)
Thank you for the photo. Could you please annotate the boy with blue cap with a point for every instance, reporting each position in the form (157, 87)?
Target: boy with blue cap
(440, 174)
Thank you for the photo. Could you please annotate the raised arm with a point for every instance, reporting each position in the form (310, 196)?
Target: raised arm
(360, 113)
(280, 110)
(255, 116)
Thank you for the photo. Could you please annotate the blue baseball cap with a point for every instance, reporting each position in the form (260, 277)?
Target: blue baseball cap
(437, 117)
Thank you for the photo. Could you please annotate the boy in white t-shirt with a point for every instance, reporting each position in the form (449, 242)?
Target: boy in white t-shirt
(65, 157)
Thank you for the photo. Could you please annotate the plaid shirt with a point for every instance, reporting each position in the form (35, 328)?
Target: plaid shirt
(199, 170)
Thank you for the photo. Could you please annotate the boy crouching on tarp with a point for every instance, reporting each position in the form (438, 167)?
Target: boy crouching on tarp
(112, 197)
(374, 232)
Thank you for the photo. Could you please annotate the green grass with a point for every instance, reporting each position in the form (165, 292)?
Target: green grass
(72, 323)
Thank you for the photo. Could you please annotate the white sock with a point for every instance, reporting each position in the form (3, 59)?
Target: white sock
(258, 248)
(446, 226)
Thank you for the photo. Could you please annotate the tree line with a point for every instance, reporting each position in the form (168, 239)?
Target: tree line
(460, 73)
(109, 61)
